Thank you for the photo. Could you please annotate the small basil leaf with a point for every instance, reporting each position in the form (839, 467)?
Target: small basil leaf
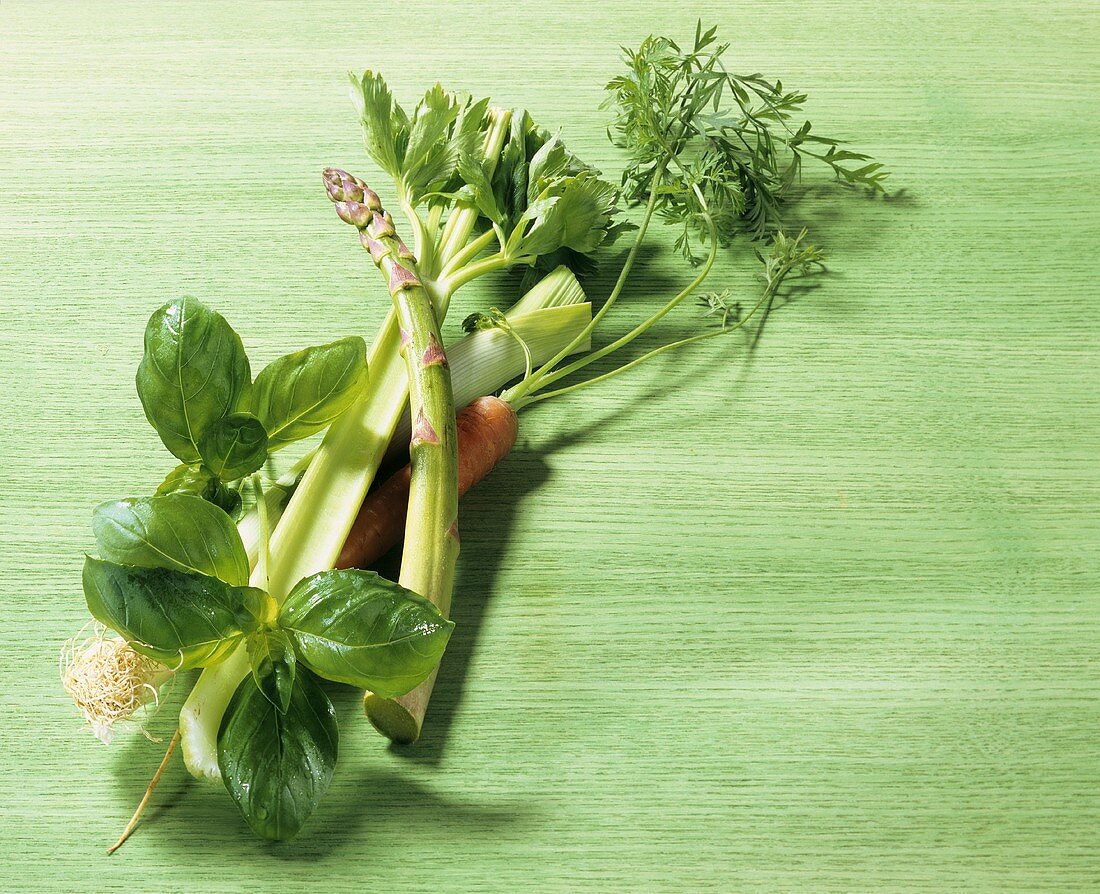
(175, 531)
(276, 765)
(197, 480)
(359, 628)
(301, 393)
(182, 620)
(194, 372)
(234, 446)
(271, 656)
(261, 606)
(187, 478)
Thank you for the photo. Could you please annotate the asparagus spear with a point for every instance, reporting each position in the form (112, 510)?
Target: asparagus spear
(431, 531)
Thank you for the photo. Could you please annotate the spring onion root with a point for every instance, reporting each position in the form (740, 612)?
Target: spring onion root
(109, 681)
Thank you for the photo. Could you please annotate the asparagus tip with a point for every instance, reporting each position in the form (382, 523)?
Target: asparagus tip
(344, 187)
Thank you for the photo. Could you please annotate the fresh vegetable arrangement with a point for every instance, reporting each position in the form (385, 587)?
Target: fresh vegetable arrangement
(261, 580)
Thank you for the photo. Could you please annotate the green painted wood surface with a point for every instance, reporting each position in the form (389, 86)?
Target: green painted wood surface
(825, 621)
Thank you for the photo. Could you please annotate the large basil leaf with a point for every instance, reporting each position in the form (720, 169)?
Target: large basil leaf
(175, 531)
(359, 628)
(234, 446)
(199, 481)
(299, 394)
(194, 372)
(277, 765)
(182, 620)
(274, 667)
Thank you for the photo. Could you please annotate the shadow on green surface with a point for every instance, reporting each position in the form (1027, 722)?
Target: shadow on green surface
(834, 208)
(386, 797)
(515, 478)
(494, 518)
(363, 792)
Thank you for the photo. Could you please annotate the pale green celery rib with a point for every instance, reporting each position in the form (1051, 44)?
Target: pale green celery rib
(200, 717)
(316, 522)
(276, 495)
(557, 289)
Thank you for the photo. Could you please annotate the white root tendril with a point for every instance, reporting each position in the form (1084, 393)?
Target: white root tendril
(109, 681)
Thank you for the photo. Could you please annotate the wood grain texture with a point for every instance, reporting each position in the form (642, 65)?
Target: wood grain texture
(822, 621)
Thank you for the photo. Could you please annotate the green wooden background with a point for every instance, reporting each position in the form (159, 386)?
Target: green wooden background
(822, 620)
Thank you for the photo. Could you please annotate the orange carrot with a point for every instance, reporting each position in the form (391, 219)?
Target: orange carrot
(487, 431)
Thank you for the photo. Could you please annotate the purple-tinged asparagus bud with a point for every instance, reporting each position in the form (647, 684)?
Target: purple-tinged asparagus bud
(402, 278)
(377, 249)
(344, 187)
(381, 226)
(404, 252)
(370, 199)
(353, 192)
(355, 213)
(422, 432)
(434, 354)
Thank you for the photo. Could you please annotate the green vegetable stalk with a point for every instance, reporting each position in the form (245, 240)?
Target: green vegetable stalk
(431, 533)
(318, 517)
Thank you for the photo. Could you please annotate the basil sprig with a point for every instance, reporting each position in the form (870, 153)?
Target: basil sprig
(195, 383)
(172, 580)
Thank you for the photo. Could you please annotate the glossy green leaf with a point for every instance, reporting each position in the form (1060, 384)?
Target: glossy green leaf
(301, 393)
(234, 446)
(551, 162)
(359, 628)
(274, 666)
(276, 765)
(198, 481)
(194, 371)
(180, 532)
(182, 620)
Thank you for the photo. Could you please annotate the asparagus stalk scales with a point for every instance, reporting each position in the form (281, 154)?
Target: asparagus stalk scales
(431, 531)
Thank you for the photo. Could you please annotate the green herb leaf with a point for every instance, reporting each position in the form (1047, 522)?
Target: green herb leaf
(301, 393)
(382, 119)
(469, 139)
(234, 446)
(271, 657)
(179, 532)
(193, 373)
(359, 628)
(691, 124)
(479, 320)
(573, 213)
(431, 155)
(182, 620)
(198, 481)
(276, 765)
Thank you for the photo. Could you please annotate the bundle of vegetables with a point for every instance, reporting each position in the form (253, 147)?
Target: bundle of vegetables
(258, 578)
